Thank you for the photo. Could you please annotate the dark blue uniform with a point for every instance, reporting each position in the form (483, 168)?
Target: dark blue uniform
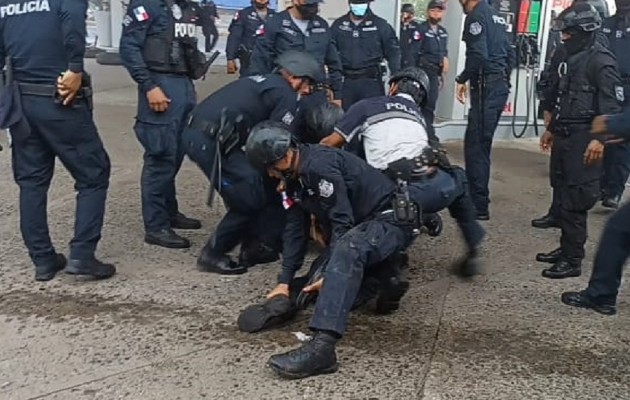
(245, 27)
(43, 39)
(208, 15)
(356, 200)
(406, 38)
(250, 197)
(151, 31)
(429, 47)
(487, 69)
(362, 47)
(617, 156)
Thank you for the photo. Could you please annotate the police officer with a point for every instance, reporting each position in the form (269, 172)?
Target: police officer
(358, 201)
(208, 15)
(159, 48)
(589, 86)
(363, 40)
(394, 134)
(617, 156)
(614, 245)
(246, 25)
(216, 131)
(429, 51)
(408, 27)
(487, 70)
(46, 105)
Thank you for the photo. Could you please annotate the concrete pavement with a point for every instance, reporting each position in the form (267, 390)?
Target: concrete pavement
(162, 330)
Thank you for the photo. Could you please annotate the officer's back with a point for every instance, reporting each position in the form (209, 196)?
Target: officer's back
(484, 17)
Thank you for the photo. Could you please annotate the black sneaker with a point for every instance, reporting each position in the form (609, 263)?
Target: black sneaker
(45, 273)
(90, 269)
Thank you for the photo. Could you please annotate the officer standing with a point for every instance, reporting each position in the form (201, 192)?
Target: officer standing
(246, 25)
(487, 70)
(46, 104)
(358, 201)
(617, 156)
(208, 15)
(216, 131)
(363, 40)
(407, 28)
(429, 51)
(159, 49)
(589, 86)
(614, 245)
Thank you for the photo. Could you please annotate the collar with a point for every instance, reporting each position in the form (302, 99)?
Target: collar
(406, 96)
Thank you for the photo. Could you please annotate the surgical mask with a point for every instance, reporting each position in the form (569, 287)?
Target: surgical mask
(358, 9)
(308, 11)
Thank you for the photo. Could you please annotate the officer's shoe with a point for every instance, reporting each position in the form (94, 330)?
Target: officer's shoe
(313, 358)
(433, 224)
(45, 273)
(180, 221)
(92, 269)
(551, 258)
(583, 300)
(210, 261)
(563, 269)
(469, 266)
(611, 202)
(483, 215)
(260, 253)
(545, 222)
(167, 238)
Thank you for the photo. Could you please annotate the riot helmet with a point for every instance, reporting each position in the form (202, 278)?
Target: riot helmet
(579, 17)
(600, 5)
(414, 82)
(321, 121)
(268, 142)
(300, 64)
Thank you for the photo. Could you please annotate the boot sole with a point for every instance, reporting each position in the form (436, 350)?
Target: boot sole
(547, 261)
(572, 275)
(589, 307)
(210, 270)
(168, 246)
(86, 276)
(297, 375)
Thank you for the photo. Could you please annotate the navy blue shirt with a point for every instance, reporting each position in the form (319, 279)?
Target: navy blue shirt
(429, 47)
(367, 43)
(341, 188)
(246, 25)
(487, 45)
(280, 33)
(406, 37)
(617, 30)
(43, 38)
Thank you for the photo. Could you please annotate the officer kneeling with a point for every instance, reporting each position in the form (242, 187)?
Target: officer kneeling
(358, 200)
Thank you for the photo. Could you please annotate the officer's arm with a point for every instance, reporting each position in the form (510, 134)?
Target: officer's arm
(73, 14)
(140, 14)
(335, 70)
(264, 52)
(235, 36)
(391, 47)
(610, 94)
(351, 124)
(617, 125)
(475, 36)
(294, 244)
(333, 198)
(283, 104)
(549, 79)
(445, 57)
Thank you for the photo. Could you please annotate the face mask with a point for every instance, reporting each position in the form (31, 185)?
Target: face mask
(358, 9)
(577, 42)
(308, 11)
(434, 21)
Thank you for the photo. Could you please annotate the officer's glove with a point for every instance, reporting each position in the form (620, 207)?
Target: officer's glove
(231, 67)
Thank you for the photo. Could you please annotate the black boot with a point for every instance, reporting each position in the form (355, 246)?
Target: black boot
(583, 300)
(545, 222)
(211, 261)
(393, 285)
(180, 221)
(469, 266)
(552, 257)
(564, 269)
(313, 358)
(611, 201)
(166, 238)
(44, 273)
(255, 253)
(433, 224)
(90, 269)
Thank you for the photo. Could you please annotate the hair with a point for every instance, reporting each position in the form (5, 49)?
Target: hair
(413, 89)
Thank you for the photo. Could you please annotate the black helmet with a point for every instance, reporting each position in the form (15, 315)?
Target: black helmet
(407, 8)
(417, 78)
(580, 16)
(321, 121)
(267, 143)
(300, 64)
(600, 5)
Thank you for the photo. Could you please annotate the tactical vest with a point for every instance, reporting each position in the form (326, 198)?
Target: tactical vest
(166, 51)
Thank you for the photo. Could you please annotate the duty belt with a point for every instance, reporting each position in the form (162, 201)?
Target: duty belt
(374, 72)
(33, 89)
(199, 124)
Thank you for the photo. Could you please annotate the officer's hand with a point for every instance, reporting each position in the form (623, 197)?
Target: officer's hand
(157, 100)
(231, 67)
(337, 102)
(281, 289)
(599, 125)
(315, 287)
(594, 152)
(546, 118)
(68, 86)
(546, 142)
(461, 91)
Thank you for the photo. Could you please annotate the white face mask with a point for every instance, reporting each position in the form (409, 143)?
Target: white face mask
(358, 9)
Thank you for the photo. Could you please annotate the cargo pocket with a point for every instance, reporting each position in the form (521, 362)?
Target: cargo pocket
(582, 197)
(93, 164)
(158, 140)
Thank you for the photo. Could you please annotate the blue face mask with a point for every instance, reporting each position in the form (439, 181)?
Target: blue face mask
(358, 9)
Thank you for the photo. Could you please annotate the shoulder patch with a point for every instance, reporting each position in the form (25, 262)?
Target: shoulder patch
(140, 13)
(619, 94)
(287, 119)
(475, 28)
(326, 189)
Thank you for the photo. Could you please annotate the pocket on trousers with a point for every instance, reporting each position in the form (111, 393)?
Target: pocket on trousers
(582, 197)
(244, 196)
(94, 161)
(158, 140)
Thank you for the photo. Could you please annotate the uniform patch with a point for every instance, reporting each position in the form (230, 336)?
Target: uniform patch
(326, 189)
(619, 93)
(287, 119)
(475, 28)
(177, 12)
(417, 36)
(236, 16)
(258, 78)
(261, 30)
(140, 13)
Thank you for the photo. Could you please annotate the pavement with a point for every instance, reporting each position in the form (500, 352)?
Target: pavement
(162, 330)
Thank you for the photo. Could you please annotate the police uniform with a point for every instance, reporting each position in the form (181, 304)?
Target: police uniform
(42, 39)
(245, 27)
(589, 85)
(487, 70)
(156, 41)
(617, 156)
(207, 19)
(407, 31)
(250, 197)
(362, 47)
(428, 49)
